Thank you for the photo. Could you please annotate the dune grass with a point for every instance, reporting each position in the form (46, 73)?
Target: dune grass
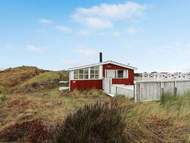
(2, 98)
(51, 105)
(29, 79)
(48, 76)
(43, 81)
(165, 121)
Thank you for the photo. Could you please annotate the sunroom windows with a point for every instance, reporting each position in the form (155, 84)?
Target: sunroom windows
(87, 73)
(94, 72)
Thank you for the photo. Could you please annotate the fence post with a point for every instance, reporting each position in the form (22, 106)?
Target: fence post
(134, 92)
(162, 89)
(175, 89)
(116, 90)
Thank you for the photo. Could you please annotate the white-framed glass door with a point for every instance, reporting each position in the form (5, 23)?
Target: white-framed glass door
(110, 74)
(107, 82)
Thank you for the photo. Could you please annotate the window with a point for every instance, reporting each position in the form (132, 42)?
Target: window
(76, 74)
(94, 72)
(81, 74)
(120, 73)
(85, 73)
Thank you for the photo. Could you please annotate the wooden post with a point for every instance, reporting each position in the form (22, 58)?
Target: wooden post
(162, 89)
(175, 89)
(134, 92)
(116, 90)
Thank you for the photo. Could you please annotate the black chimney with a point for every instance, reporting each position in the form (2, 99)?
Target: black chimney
(100, 56)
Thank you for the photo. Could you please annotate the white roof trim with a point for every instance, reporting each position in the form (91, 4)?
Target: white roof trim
(106, 62)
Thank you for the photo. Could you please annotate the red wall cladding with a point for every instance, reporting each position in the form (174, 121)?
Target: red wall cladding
(85, 84)
(127, 81)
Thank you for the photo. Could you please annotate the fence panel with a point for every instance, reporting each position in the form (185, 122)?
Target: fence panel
(126, 90)
(152, 90)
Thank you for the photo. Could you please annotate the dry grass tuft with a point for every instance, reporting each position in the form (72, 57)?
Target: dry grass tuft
(98, 123)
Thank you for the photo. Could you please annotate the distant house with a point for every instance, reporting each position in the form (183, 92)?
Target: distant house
(101, 75)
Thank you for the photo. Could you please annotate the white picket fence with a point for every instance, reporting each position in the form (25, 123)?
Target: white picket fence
(164, 76)
(153, 90)
(117, 89)
(127, 90)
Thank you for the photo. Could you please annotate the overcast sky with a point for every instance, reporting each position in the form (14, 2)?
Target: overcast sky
(152, 35)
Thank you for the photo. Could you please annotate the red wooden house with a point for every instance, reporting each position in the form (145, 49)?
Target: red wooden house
(101, 75)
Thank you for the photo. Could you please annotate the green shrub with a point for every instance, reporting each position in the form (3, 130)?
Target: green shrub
(2, 98)
(2, 90)
(99, 123)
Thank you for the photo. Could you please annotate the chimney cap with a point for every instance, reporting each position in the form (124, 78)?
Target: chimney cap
(100, 57)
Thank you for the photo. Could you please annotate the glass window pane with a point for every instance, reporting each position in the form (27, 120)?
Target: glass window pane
(96, 68)
(96, 76)
(81, 76)
(96, 72)
(81, 71)
(86, 71)
(85, 76)
(120, 73)
(92, 73)
(92, 70)
(76, 74)
(91, 76)
(75, 71)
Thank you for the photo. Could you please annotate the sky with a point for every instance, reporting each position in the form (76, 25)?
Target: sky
(152, 35)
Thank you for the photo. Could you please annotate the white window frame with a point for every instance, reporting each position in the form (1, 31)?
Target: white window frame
(81, 75)
(125, 73)
(117, 73)
(96, 73)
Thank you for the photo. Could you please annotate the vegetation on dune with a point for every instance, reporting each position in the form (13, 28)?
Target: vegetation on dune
(98, 123)
(152, 122)
(50, 106)
(12, 77)
(143, 122)
(46, 80)
(27, 79)
(2, 98)
(33, 110)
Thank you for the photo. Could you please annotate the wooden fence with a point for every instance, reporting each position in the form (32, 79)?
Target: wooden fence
(127, 90)
(153, 90)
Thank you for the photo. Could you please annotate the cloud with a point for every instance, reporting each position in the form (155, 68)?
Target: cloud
(98, 23)
(133, 30)
(86, 51)
(63, 28)
(46, 21)
(36, 49)
(104, 15)
(55, 25)
(116, 34)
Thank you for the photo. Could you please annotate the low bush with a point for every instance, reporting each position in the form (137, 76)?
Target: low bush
(34, 131)
(98, 123)
(38, 133)
(2, 98)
